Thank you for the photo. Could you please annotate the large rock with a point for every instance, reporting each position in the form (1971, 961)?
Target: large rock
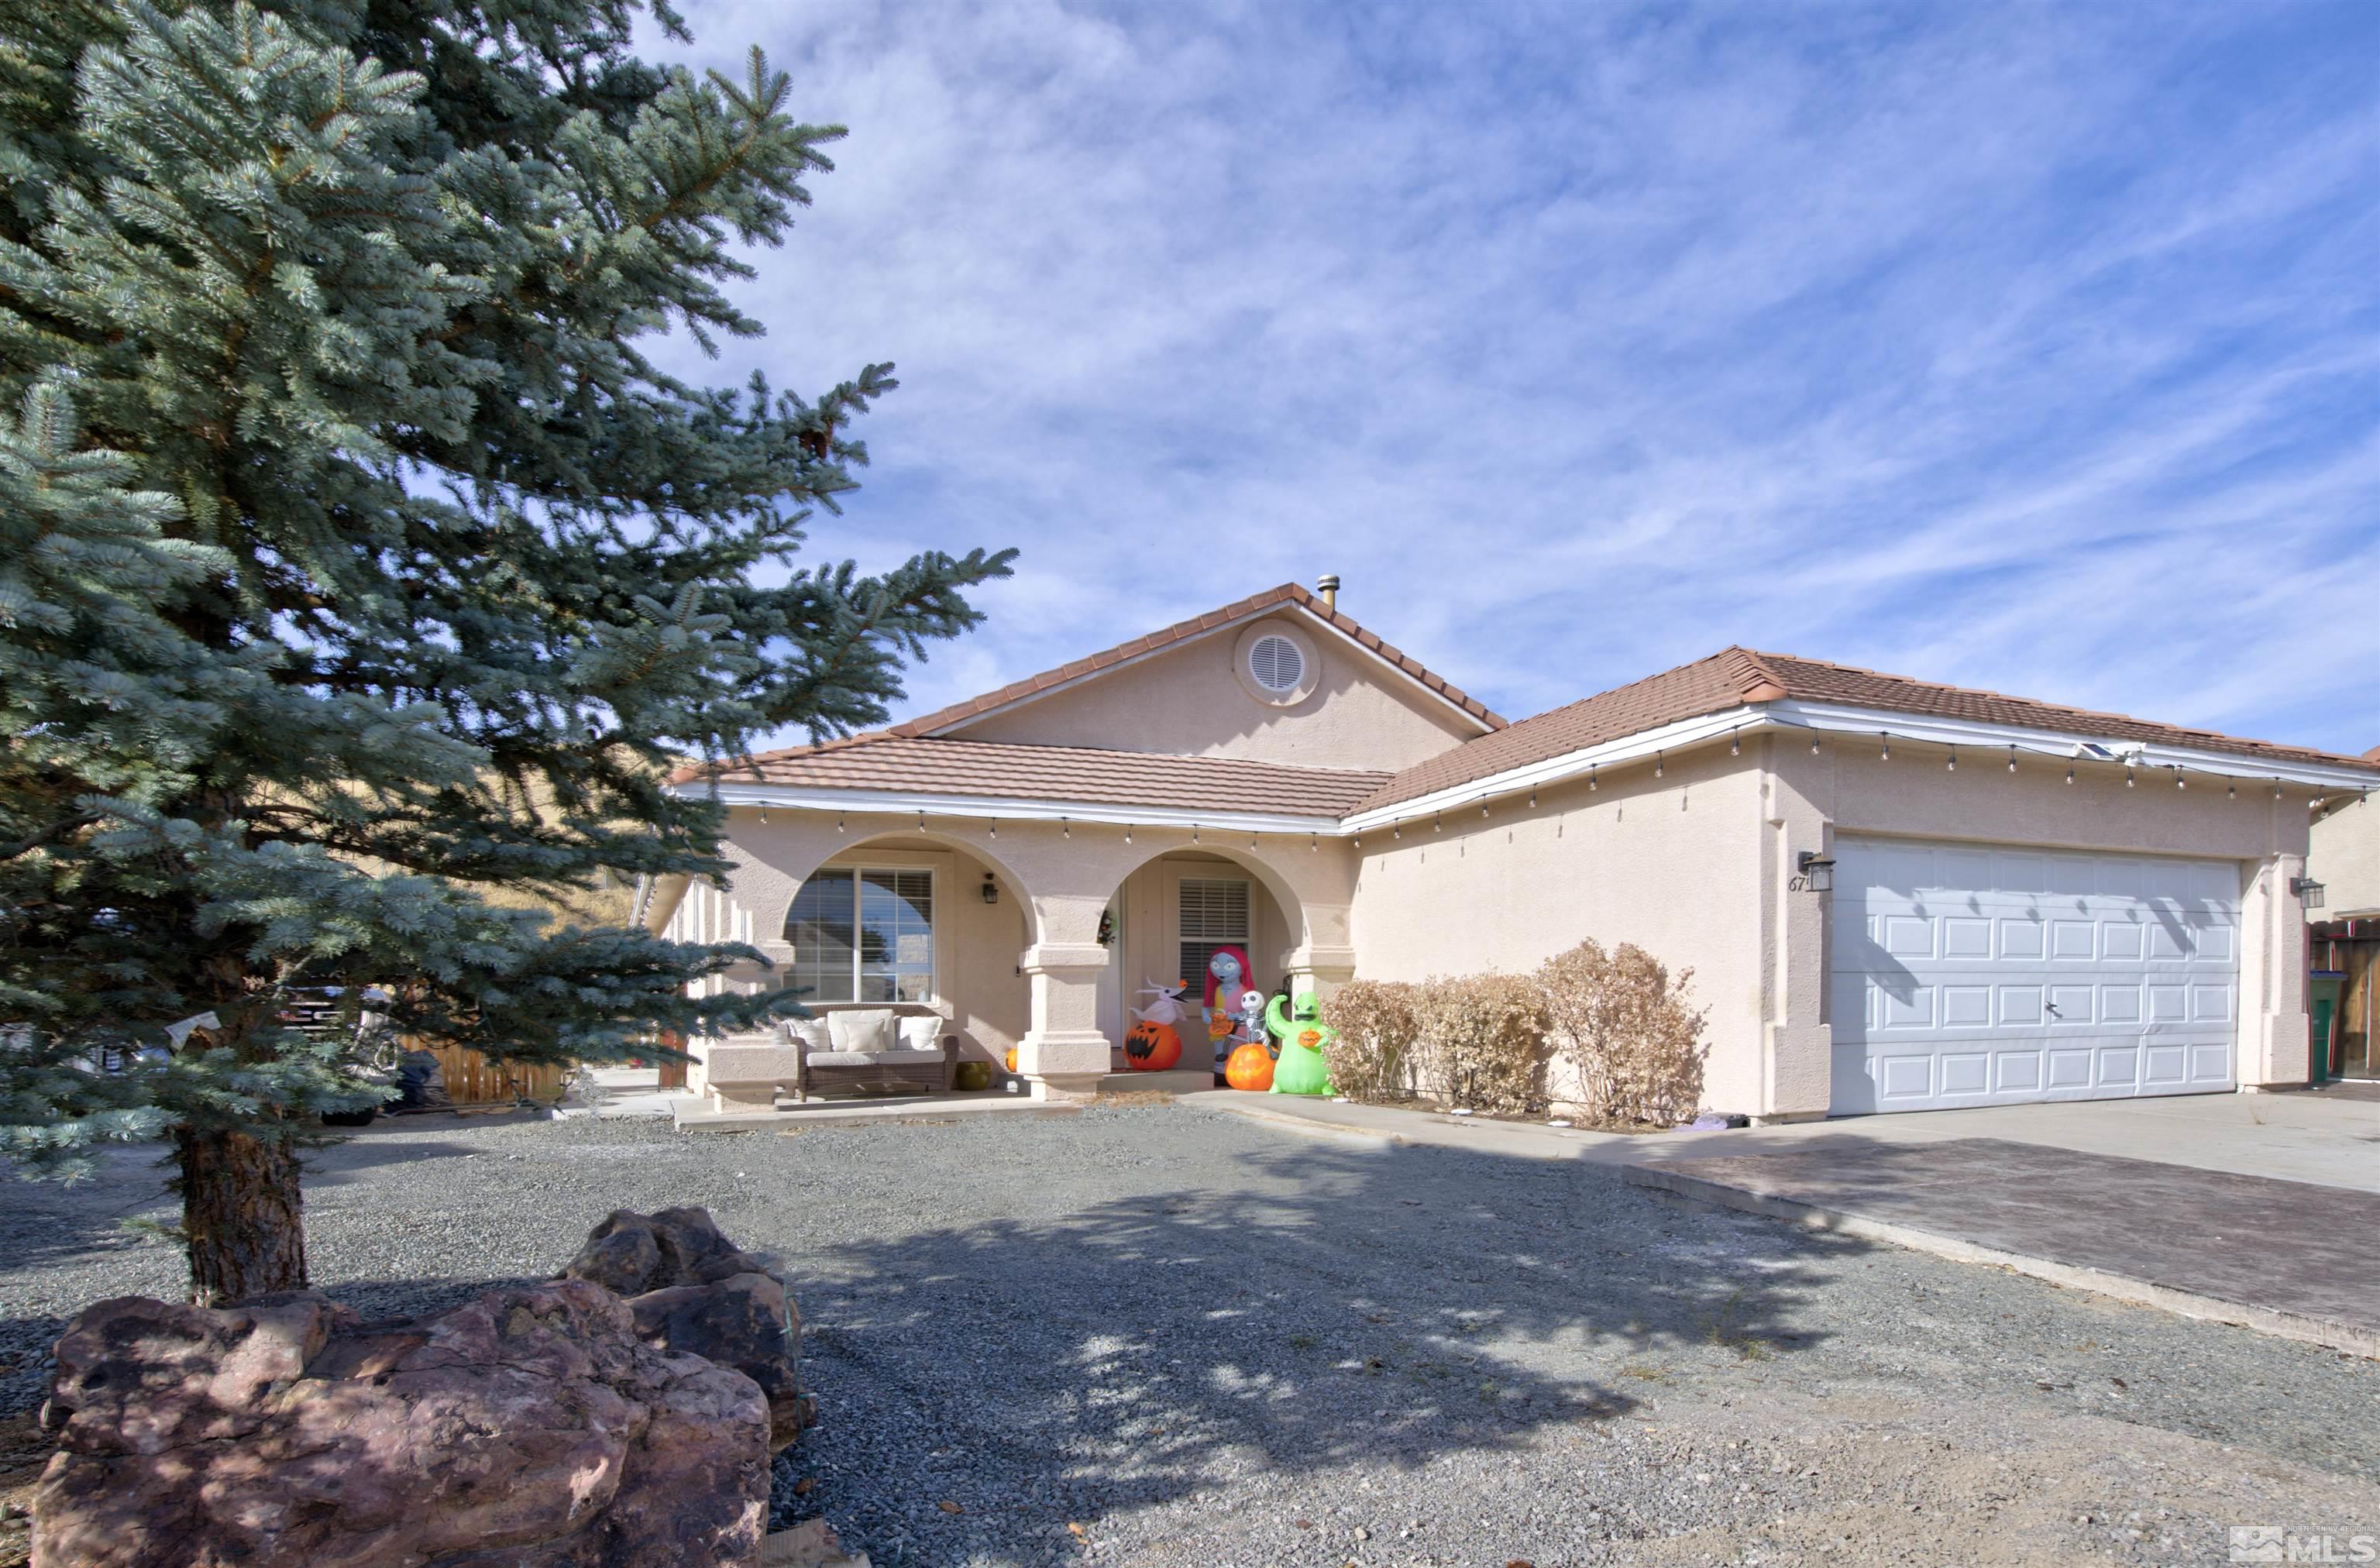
(694, 1292)
(532, 1428)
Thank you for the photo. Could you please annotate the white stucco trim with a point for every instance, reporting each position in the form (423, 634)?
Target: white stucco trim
(1569, 765)
(1004, 808)
(1984, 737)
(1837, 719)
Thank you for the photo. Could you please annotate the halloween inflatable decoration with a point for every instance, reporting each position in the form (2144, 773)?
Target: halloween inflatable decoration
(1227, 975)
(1250, 1068)
(1168, 1008)
(1010, 1059)
(1302, 1035)
(1151, 1048)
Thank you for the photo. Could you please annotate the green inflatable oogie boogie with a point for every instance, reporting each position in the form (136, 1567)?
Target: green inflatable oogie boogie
(1301, 1035)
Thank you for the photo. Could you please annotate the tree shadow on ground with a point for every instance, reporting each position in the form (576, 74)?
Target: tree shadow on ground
(1286, 1312)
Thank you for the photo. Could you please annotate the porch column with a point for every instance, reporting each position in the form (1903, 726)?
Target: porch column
(1063, 1054)
(1317, 968)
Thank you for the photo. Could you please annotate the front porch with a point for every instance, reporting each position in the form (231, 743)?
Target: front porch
(1029, 943)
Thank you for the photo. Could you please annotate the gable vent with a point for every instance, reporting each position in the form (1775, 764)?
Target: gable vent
(1276, 665)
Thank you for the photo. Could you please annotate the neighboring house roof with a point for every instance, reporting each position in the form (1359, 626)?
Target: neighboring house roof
(1288, 594)
(890, 763)
(1735, 677)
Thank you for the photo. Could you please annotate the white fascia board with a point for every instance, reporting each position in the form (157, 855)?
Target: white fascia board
(1569, 765)
(1286, 607)
(1839, 719)
(1010, 808)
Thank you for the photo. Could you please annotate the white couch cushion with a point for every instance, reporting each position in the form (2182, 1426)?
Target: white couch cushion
(811, 1032)
(865, 1028)
(873, 1058)
(924, 1033)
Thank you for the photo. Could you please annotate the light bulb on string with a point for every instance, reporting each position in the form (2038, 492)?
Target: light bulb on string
(2012, 758)
(1734, 742)
(1660, 761)
(1590, 778)
(1952, 765)
(2070, 772)
(2231, 790)
(2178, 782)
(2128, 779)
(1533, 799)
(995, 827)
(1884, 748)
(764, 816)
(1065, 827)
(1813, 743)
(838, 822)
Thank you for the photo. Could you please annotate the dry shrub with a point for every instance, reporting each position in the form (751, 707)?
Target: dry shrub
(1377, 1028)
(1483, 1041)
(1624, 1022)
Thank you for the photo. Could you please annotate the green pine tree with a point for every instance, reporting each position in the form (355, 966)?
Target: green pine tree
(362, 572)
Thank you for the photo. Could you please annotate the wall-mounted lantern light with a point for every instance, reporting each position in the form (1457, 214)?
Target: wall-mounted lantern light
(2310, 892)
(991, 889)
(1817, 873)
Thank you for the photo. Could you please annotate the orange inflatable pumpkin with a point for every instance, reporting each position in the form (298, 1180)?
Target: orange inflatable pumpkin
(1151, 1048)
(1250, 1068)
(1011, 1059)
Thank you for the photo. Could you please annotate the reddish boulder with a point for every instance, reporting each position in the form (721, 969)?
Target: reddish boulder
(532, 1428)
(694, 1292)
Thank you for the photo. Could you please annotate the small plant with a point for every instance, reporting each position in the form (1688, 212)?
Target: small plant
(1622, 1021)
(1370, 1057)
(1484, 1041)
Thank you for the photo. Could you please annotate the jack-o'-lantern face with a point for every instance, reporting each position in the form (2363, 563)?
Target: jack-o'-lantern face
(1250, 1068)
(1310, 1038)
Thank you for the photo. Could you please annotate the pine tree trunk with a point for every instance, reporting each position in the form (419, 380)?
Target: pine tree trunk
(243, 1214)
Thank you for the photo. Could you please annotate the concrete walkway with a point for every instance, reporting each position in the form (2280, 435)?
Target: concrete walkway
(2323, 1139)
(2257, 1210)
(2287, 1257)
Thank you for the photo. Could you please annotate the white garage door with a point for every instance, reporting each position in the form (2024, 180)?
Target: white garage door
(1965, 974)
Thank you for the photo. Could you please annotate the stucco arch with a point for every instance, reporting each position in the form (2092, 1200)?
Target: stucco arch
(774, 857)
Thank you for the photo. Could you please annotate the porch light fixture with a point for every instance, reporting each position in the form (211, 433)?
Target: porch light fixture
(991, 889)
(1817, 872)
(2310, 892)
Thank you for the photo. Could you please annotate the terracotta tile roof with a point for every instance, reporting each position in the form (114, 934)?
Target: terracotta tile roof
(911, 765)
(1182, 631)
(1734, 676)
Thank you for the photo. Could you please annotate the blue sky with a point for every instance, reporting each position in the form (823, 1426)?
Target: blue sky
(2035, 348)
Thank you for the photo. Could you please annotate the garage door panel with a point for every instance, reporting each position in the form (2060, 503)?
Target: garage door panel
(2042, 975)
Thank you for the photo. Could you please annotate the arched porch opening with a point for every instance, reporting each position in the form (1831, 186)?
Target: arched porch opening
(1213, 920)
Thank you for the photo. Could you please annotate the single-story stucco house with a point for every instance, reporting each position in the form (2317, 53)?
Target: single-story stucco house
(2027, 902)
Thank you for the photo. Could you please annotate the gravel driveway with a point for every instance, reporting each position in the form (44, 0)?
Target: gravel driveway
(1164, 1336)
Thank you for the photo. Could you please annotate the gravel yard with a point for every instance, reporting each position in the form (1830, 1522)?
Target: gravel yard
(1164, 1336)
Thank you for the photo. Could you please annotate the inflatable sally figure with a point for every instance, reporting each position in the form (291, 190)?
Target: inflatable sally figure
(1227, 977)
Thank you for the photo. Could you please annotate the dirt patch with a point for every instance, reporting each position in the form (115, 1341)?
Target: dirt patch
(1124, 1098)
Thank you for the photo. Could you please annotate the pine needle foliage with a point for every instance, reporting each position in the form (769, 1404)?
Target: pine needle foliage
(361, 572)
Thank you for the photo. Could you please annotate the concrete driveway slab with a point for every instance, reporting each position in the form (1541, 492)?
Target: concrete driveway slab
(2290, 1257)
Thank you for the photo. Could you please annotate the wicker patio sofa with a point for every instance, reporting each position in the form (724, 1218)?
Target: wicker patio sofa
(872, 1051)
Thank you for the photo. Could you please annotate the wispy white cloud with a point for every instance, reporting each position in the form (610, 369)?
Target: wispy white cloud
(2030, 347)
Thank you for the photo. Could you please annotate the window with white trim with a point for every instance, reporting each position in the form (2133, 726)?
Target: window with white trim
(1276, 665)
(1214, 914)
(863, 933)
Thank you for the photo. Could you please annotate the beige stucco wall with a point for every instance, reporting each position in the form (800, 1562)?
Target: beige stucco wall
(1855, 790)
(1698, 868)
(2344, 856)
(1669, 864)
(1190, 701)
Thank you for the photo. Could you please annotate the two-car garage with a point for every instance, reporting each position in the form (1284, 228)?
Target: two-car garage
(1968, 975)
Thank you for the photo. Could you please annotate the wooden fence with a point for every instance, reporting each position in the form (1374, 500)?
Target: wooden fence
(474, 1080)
